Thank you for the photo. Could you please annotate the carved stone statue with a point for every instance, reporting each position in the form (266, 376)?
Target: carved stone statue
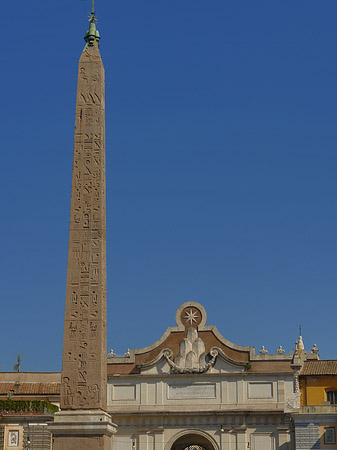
(192, 355)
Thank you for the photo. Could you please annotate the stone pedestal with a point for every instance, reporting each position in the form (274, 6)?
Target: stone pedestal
(83, 430)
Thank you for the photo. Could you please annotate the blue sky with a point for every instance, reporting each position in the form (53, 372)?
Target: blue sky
(221, 170)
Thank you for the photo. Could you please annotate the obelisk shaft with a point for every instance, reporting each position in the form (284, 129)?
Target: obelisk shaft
(84, 370)
(83, 422)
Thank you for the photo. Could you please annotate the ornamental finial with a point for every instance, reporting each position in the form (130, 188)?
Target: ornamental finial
(92, 36)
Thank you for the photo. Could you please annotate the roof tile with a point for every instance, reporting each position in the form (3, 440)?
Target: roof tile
(319, 367)
(30, 388)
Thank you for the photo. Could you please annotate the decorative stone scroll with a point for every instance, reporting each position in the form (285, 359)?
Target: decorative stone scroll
(292, 403)
(192, 355)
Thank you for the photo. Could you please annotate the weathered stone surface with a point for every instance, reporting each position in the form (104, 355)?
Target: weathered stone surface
(83, 430)
(82, 443)
(84, 377)
(83, 423)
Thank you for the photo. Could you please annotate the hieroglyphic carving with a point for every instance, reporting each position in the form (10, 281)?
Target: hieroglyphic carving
(84, 348)
(88, 94)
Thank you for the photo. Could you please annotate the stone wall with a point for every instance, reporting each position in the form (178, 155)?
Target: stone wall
(307, 436)
(37, 434)
(2, 430)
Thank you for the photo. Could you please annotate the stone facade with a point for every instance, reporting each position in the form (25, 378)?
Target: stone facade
(194, 387)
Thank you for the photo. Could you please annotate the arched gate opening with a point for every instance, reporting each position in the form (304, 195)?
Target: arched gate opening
(192, 441)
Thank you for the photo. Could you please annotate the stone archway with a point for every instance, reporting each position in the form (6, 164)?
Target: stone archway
(193, 441)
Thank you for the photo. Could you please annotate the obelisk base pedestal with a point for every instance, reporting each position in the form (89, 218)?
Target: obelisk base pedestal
(83, 430)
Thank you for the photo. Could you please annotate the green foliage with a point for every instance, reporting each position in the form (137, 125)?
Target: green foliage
(28, 406)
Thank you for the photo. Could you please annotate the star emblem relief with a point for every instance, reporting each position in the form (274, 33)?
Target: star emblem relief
(191, 316)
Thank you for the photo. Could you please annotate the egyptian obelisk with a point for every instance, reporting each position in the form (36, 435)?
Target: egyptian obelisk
(83, 422)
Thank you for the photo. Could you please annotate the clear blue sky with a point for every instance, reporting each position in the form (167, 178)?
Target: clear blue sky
(221, 169)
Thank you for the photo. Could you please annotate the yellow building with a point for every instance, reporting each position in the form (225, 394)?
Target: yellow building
(318, 383)
(316, 422)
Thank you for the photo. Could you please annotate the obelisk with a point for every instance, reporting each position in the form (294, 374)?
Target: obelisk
(83, 422)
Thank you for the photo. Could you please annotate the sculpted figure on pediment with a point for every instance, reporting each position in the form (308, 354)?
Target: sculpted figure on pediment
(192, 355)
(191, 351)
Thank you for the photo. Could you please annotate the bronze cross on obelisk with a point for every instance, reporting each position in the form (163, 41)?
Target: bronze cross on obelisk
(92, 14)
(92, 17)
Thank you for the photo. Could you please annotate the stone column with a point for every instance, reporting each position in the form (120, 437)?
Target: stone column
(283, 438)
(225, 438)
(143, 439)
(159, 438)
(83, 423)
(241, 439)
